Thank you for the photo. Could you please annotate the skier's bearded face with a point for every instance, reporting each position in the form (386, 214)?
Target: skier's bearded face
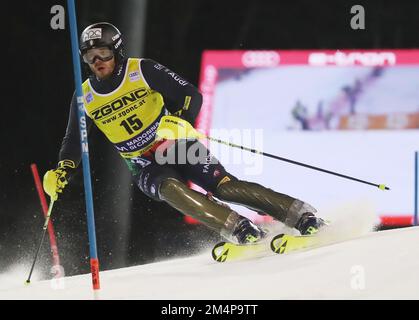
(101, 61)
(102, 69)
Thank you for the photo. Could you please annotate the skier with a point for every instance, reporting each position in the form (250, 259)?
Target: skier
(126, 99)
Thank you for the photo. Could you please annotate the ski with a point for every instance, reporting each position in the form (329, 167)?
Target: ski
(285, 243)
(280, 244)
(228, 251)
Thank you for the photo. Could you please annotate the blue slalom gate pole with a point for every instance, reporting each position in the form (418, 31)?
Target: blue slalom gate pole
(415, 218)
(94, 261)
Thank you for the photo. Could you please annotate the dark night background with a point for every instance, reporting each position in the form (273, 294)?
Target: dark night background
(38, 79)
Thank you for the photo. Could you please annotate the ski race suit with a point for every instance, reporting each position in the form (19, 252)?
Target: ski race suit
(128, 107)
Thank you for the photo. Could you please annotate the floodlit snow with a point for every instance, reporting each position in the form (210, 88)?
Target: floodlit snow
(361, 265)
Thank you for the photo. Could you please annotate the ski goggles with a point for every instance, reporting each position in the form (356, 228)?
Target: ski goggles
(103, 54)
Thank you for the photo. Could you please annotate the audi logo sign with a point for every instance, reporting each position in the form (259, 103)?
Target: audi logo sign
(260, 59)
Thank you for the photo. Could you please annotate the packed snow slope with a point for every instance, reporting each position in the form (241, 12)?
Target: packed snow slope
(376, 265)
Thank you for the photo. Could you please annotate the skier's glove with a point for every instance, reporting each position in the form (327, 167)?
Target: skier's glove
(55, 180)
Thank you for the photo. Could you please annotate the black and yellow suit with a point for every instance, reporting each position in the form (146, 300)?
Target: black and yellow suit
(127, 108)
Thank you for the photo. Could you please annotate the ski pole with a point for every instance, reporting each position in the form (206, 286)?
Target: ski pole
(380, 186)
(44, 205)
(172, 127)
(42, 239)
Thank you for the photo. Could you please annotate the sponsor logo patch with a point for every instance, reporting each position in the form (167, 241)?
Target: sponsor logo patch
(134, 76)
(224, 180)
(118, 43)
(141, 161)
(89, 97)
(95, 33)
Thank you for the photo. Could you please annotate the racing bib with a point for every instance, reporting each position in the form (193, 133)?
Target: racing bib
(129, 115)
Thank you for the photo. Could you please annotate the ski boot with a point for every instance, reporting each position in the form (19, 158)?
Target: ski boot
(309, 224)
(246, 232)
